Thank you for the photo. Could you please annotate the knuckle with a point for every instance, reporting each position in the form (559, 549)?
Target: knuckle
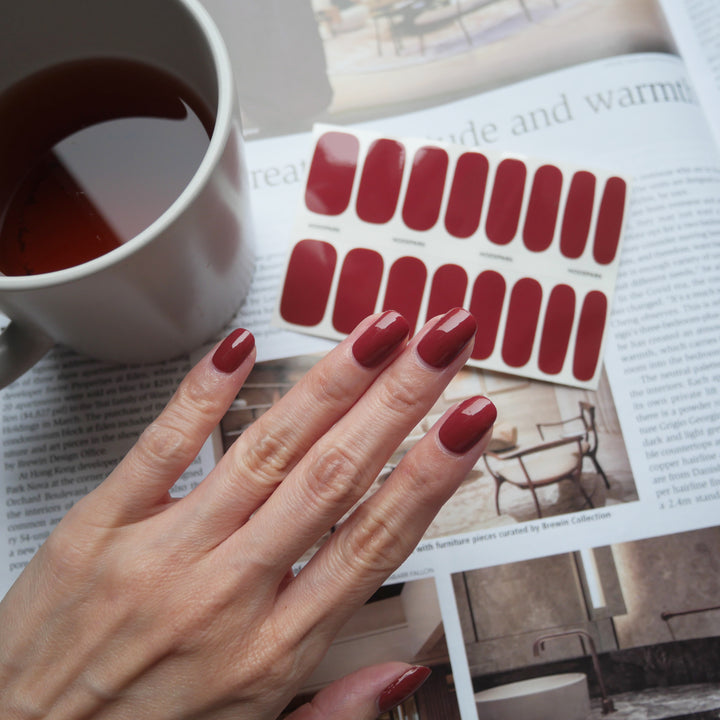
(162, 441)
(264, 457)
(403, 395)
(335, 476)
(331, 389)
(195, 398)
(374, 545)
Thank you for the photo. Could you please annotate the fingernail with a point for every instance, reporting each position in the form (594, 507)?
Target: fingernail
(441, 345)
(402, 688)
(467, 424)
(379, 341)
(233, 350)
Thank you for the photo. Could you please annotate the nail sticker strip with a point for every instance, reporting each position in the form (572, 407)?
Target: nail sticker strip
(331, 174)
(557, 327)
(578, 215)
(406, 288)
(506, 201)
(447, 291)
(307, 282)
(421, 208)
(358, 288)
(543, 207)
(486, 305)
(467, 194)
(523, 315)
(380, 182)
(530, 247)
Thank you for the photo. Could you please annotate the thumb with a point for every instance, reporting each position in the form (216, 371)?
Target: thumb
(364, 694)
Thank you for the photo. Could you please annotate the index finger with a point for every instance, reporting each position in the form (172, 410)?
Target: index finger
(261, 458)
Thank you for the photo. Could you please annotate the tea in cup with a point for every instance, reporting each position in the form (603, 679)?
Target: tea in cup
(124, 218)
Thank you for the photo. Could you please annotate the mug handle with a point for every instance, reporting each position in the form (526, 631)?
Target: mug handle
(20, 348)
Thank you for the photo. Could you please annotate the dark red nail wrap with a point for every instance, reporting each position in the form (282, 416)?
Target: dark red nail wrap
(486, 304)
(405, 288)
(447, 338)
(465, 204)
(609, 222)
(578, 215)
(542, 211)
(506, 201)
(380, 181)
(332, 172)
(447, 291)
(233, 350)
(522, 320)
(381, 339)
(307, 282)
(424, 194)
(358, 288)
(557, 327)
(467, 424)
(589, 335)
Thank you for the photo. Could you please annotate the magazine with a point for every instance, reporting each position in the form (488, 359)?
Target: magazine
(583, 546)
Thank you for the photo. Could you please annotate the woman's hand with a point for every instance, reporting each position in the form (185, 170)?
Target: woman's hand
(141, 606)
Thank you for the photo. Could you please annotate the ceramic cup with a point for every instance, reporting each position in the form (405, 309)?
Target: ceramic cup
(176, 284)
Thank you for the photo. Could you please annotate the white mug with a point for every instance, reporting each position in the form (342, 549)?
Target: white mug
(176, 284)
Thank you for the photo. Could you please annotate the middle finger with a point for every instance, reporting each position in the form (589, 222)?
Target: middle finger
(341, 466)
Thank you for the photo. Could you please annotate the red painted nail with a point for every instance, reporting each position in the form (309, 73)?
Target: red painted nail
(467, 424)
(446, 340)
(402, 688)
(379, 341)
(233, 350)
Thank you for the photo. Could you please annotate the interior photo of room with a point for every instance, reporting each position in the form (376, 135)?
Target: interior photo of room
(345, 61)
(388, 52)
(632, 629)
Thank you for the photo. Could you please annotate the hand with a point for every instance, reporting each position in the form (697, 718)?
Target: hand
(142, 606)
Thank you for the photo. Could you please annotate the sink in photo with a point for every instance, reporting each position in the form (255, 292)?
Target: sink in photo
(552, 697)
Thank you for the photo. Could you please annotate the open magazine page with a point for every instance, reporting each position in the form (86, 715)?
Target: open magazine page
(621, 551)
(64, 426)
(696, 29)
(499, 568)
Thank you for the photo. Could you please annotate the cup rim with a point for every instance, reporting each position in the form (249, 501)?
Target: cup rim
(221, 130)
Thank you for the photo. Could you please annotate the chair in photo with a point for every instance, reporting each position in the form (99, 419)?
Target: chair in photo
(536, 466)
(583, 422)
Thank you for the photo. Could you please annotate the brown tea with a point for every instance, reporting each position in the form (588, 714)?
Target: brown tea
(92, 152)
